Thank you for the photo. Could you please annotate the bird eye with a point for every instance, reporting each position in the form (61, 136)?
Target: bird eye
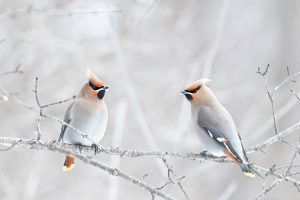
(94, 87)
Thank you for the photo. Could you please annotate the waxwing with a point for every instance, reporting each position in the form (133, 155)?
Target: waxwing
(214, 125)
(87, 115)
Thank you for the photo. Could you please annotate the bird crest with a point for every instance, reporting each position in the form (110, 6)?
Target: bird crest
(197, 84)
(203, 81)
(93, 78)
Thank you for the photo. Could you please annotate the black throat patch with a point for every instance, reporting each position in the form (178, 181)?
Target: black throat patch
(189, 97)
(101, 94)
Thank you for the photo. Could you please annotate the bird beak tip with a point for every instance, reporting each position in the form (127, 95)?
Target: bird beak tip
(182, 92)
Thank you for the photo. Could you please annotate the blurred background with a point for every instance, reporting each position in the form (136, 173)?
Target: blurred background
(146, 51)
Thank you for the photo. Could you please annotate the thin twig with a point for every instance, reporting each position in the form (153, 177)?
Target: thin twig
(274, 139)
(17, 70)
(296, 153)
(174, 180)
(270, 95)
(290, 78)
(272, 172)
(296, 95)
(59, 102)
(17, 13)
(41, 107)
(263, 73)
(268, 189)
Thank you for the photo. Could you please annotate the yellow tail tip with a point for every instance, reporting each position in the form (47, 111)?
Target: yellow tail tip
(249, 174)
(66, 168)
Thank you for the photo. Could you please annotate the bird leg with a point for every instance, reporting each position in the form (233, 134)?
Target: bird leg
(96, 148)
(79, 146)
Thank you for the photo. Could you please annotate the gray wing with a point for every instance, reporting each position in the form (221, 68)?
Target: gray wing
(67, 119)
(219, 126)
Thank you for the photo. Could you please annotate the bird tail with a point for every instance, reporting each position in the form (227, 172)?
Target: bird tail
(248, 171)
(69, 163)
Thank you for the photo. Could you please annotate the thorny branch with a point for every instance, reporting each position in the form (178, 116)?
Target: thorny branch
(273, 172)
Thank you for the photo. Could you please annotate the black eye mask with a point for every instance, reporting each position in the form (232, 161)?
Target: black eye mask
(94, 87)
(195, 90)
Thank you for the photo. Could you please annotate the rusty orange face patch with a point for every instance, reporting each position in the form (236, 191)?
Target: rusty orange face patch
(190, 87)
(97, 83)
(193, 87)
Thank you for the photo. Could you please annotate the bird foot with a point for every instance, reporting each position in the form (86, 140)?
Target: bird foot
(79, 146)
(96, 148)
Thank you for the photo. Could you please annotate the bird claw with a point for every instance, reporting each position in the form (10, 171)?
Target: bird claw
(95, 147)
(204, 153)
(79, 146)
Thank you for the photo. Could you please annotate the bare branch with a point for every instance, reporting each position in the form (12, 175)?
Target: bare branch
(54, 147)
(17, 13)
(41, 107)
(290, 78)
(17, 70)
(124, 152)
(36, 92)
(59, 102)
(39, 120)
(288, 171)
(296, 95)
(174, 180)
(264, 72)
(267, 190)
(274, 139)
(271, 171)
(270, 95)
(72, 149)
